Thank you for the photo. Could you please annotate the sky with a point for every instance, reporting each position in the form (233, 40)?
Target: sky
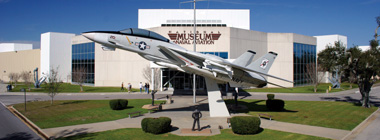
(23, 21)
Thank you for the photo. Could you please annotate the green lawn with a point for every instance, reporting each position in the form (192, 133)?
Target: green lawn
(304, 89)
(226, 134)
(65, 113)
(69, 88)
(340, 115)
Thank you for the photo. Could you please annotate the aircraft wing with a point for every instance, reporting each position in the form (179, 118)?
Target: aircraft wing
(183, 56)
(173, 55)
(251, 70)
(202, 57)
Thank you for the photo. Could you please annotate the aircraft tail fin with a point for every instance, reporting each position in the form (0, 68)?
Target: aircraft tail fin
(245, 59)
(264, 63)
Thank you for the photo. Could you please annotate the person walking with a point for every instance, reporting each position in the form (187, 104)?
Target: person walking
(129, 87)
(122, 86)
(147, 88)
(141, 86)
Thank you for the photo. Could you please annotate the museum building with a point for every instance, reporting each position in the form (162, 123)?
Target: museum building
(222, 32)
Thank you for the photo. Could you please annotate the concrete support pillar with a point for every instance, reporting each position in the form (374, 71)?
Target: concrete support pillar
(152, 85)
(161, 80)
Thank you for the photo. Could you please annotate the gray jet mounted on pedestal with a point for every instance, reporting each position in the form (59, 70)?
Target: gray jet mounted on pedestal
(242, 72)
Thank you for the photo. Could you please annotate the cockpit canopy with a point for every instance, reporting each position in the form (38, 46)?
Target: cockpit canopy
(144, 33)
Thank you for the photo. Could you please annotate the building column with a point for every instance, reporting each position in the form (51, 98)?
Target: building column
(152, 79)
(161, 79)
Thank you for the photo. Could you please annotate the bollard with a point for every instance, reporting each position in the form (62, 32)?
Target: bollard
(327, 90)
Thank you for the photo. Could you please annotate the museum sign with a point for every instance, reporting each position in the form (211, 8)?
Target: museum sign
(203, 38)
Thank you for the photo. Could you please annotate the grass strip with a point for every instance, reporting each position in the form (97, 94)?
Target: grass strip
(303, 89)
(69, 88)
(226, 134)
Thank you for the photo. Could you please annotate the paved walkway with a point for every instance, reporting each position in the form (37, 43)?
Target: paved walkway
(3, 88)
(180, 113)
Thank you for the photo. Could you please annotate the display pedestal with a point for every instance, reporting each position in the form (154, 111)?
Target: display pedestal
(216, 103)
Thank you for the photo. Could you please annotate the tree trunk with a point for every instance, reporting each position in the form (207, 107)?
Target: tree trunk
(365, 89)
(366, 100)
(315, 88)
(350, 85)
(152, 99)
(51, 102)
(81, 88)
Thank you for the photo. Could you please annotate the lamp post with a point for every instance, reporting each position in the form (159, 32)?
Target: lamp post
(23, 90)
(194, 48)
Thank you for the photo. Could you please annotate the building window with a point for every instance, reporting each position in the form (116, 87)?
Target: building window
(223, 55)
(303, 54)
(191, 25)
(83, 56)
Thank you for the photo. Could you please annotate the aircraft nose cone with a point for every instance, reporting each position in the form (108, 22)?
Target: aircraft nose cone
(90, 36)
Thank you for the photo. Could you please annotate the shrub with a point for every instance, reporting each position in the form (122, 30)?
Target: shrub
(156, 125)
(270, 96)
(245, 124)
(118, 104)
(275, 104)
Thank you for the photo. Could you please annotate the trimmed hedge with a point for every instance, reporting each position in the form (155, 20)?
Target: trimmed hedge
(270, 96)
(118, 104)
(245, 125)
(156, 125)
(275, 104)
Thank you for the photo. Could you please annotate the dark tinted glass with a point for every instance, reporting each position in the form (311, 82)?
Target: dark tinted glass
(83, 56)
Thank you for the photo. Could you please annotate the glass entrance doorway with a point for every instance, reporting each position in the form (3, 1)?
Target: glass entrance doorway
(176, 80)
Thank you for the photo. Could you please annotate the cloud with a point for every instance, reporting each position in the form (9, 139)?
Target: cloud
(36, 44)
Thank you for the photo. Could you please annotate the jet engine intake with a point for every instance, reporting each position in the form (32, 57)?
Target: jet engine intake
(105, 48)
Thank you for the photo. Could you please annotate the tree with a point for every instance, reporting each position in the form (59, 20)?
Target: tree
(333, 58)
(27, 77)
(13, 77)
(79, 76)
(147, 73)
(314, 74)
(365, 66)
(378, 25)
(352, 54)
(53, 83)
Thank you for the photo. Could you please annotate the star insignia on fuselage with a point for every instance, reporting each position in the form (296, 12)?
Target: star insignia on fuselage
(142, 45)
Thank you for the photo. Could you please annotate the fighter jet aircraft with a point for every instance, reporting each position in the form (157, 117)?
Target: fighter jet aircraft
(160, 50)
(242, 72)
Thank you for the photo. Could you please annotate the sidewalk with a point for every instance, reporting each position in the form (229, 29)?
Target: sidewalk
(92, 93)
(367, 130)
(180, 113)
